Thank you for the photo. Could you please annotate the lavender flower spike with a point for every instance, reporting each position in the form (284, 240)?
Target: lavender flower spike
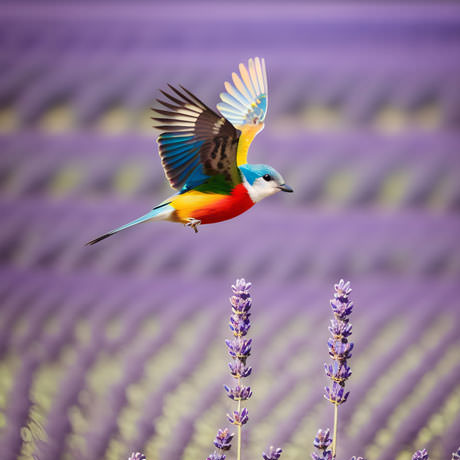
(339, 346)
(137, 456)
(338, 371)
(273, 454)
(239, 348)
(456, 455)
(420, 455)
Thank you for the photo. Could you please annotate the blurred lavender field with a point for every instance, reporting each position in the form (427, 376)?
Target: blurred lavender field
(119, 347)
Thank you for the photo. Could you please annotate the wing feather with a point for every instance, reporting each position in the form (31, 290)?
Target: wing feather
(233, 102)
(196, 143)
(254, 76)
(244, 103)
(240, 86)
(235, 94)
(247, 80)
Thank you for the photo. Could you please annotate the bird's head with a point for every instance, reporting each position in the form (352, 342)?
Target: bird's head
(262, 181)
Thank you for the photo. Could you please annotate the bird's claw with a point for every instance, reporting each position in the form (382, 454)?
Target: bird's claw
(193, 223)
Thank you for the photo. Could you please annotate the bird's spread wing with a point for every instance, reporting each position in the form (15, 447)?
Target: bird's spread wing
(196, 144)
(245, 103)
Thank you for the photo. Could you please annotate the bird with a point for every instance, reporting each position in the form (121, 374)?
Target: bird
(204, 153)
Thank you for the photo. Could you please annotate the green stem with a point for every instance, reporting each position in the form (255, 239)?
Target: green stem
(334, 434)
(238, 450)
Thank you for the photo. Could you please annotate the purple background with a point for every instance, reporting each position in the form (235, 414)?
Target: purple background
(120, 347)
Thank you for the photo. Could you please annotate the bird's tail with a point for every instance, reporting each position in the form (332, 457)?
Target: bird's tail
(161, 212)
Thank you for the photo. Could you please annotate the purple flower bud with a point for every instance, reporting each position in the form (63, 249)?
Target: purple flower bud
(336, 395)
(456, 455)
(340, 328)
(325, 455)
(357, 458)
(338, 350)
(239, 325)
(337, 372)
(241, 287)
(420, 455)
(239, 348)
(342, 289)
(223, 439)
(239, 370)
(216, 456)
(341, 309)
(238, 418)
(273, 454)
(239, 393)
(137, 456)
(322, 440)
(241, 304)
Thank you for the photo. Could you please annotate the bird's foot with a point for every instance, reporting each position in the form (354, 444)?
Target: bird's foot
(193, 223)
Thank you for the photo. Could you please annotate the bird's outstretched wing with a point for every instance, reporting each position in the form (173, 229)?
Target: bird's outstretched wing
(196, 144)
(245, 103)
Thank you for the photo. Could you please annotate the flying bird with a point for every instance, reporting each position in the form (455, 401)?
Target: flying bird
(204, 154)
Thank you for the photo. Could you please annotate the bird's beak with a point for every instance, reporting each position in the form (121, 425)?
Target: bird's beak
(285, 188)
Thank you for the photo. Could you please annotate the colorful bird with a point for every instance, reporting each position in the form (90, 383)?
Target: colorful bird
(204, 155)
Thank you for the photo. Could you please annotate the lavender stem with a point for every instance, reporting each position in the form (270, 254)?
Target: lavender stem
(334, 434)
(238, 441)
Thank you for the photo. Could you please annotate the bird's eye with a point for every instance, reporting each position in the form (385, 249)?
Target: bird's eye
(267, 177)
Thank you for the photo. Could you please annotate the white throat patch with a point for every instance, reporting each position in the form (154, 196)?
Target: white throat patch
(260, 189)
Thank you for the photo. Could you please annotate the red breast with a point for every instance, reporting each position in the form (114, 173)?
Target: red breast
(227, 207)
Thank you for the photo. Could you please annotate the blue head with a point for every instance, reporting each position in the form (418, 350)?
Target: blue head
(262, 181)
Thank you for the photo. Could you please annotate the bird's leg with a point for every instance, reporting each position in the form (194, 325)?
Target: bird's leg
(193, 223)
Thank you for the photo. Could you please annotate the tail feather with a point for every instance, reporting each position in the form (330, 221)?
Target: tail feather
(161, 212)
(99, 238)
